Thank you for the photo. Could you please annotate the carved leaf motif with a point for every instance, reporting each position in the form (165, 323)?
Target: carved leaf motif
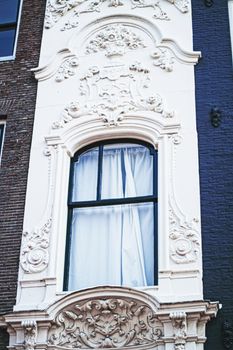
(105, 323)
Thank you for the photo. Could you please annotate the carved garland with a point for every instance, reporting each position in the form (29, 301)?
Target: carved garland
(56, 9)
(105, 323)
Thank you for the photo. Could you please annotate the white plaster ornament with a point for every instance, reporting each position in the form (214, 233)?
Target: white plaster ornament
(56, 9)
(112, 92)
(105, 323)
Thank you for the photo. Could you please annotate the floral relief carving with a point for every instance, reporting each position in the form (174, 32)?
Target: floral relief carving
(34, 252)
(162, 58)
(30, 334)
(112, 92)
(115, 39)
(116, 91)
(71, 112)
(67, 69)
(184, 238)
(105, 323)
(56, 9)
(179, 324)
(159, 13)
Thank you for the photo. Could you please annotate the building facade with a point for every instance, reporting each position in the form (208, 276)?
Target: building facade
(103, 83)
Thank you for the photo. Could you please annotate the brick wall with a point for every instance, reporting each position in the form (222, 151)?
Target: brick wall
(214, 87)
(17, 101)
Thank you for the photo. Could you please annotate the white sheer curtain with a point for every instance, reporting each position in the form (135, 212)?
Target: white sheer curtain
(113, 244)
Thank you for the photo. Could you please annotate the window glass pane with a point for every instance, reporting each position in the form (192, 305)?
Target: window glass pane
(8, 11)
(127, 171)
(112, 245)
(85, 176)
(7, 38)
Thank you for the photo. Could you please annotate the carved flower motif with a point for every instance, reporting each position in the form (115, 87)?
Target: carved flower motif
(114, 40)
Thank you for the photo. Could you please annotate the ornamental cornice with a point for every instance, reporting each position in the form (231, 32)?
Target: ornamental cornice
(114, 37)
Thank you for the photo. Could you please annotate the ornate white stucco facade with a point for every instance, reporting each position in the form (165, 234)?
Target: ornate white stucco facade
(112, 69)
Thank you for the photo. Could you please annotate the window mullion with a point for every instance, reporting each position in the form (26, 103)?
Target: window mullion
(113, 201)
(100, 169)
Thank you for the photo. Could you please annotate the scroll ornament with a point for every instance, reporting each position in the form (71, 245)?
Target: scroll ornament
(185, 240)
(34, 252)
(105, 323)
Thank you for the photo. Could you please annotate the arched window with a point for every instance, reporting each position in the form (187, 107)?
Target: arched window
(112, 224)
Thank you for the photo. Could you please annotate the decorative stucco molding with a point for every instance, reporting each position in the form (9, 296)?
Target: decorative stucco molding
(179, 324)
(34, 251)
(184, 233)
(119, 90)
(67, 69)
(163, 59)
(115, 40)
(34, 256)
(111, 317)
(30, 334)
(105, 323)
(56, 9)
(113, 92)
(184, 238)
(164, 55)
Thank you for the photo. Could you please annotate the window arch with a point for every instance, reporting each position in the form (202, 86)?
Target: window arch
(112, 216)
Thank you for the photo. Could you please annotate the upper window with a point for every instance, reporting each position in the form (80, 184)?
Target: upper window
(9, 10)
(112, 224)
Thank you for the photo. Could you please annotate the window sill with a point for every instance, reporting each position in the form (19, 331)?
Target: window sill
(7, 58)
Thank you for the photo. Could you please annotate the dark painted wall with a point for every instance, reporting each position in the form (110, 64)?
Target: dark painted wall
(214, 87)
(17, 101)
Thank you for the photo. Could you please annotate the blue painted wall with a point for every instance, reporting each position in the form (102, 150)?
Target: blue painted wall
(214, 87)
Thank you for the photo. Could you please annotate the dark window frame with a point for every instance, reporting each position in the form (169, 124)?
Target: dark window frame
(113, 201)
(11, 26)
(2, 130)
